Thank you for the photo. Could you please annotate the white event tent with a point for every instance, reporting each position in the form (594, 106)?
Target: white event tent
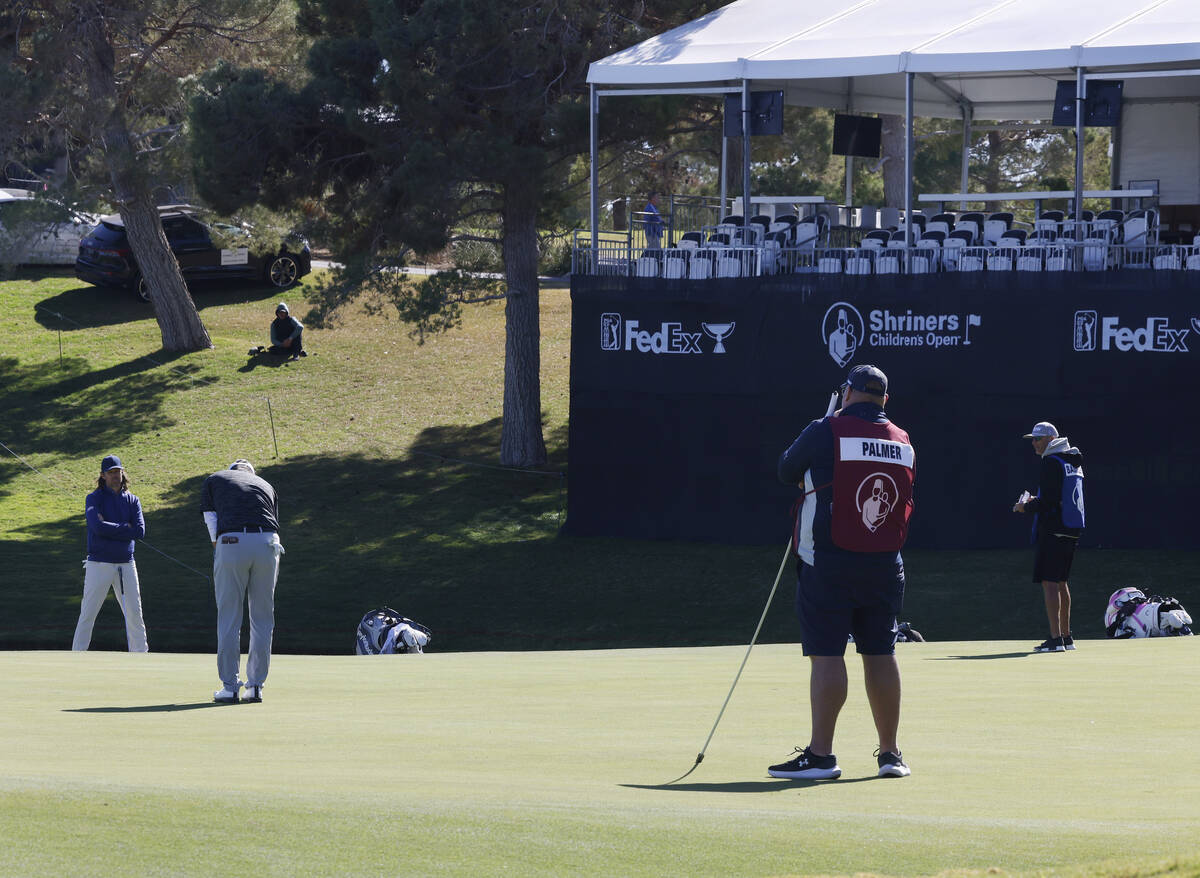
(969, 59)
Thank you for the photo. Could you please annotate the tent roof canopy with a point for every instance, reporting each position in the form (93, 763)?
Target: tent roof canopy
(1000, 58)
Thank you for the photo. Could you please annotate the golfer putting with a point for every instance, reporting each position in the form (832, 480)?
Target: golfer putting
(856, 470)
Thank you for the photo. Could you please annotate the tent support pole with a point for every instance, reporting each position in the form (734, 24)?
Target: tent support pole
(745, 152)
(908, 168)
(849, 158)
(1080, 99)
(724, 173)
(594, 170)
(965, 179)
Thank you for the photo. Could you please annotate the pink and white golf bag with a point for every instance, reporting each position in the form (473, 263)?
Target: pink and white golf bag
(1131, 614)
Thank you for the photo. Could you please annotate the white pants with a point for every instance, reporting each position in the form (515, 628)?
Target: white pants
(98, 578)
(245, 568)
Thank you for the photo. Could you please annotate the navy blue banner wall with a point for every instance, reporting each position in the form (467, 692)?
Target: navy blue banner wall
(684, 395)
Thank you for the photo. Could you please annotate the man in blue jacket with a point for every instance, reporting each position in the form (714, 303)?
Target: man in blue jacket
(856, 470)
(114, 523)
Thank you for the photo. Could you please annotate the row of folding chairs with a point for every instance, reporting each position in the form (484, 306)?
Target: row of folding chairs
(699, 263)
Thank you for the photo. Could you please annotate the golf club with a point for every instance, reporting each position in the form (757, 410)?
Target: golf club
(833, 404)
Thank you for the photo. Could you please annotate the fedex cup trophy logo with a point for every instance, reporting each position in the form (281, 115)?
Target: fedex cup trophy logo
(718, 332)
(842, 330)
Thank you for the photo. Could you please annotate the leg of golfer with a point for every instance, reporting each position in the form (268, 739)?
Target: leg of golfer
(260, 595)
(98, 577)
(231, 574)
(882, 676)
(827, 693)
(129, 595)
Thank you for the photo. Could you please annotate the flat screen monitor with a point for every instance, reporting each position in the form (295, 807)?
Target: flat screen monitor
(857, 135)
(1102, 109)
(766, 113)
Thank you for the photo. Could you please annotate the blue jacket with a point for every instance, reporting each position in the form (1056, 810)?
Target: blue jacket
(112, 539)
(808, 462)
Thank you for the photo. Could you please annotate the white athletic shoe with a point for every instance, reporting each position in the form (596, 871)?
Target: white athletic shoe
(226, 696)
(252, 694)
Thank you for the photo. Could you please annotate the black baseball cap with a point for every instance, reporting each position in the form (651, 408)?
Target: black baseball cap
(110, 462)
(868, 379)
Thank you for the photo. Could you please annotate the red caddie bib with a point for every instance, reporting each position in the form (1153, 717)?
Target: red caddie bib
(872, 485)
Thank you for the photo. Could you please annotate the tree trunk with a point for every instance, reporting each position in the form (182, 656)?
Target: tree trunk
(178, 320)
(893, 160)
(521, 442)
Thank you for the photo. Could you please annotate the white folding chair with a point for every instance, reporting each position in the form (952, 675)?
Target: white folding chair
(700, 267)
(646, 266)
(675, 265)
(972, 259)
(859, 261)
(993, 229)
(728, 265)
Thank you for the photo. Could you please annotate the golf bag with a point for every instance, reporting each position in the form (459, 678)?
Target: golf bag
(1131, 614)
(386, 632)
(906, 633)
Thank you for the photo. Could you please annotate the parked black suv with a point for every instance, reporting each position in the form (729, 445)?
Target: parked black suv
(204, 248)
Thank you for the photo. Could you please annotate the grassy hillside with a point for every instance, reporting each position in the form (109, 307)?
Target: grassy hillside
(390, 493)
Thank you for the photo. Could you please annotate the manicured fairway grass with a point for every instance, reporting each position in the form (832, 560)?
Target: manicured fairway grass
(554, 763)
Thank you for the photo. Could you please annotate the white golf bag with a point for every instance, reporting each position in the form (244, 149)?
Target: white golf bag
(386, 632)
(1131, 614)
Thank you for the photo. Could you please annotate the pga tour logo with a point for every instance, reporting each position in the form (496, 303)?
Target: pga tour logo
(619, 334)
(1091, 331)
(844, 330)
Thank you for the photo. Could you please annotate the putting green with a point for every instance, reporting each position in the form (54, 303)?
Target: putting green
(553, 764)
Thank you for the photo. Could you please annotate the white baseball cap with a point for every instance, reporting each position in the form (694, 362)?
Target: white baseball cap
(1040, 429)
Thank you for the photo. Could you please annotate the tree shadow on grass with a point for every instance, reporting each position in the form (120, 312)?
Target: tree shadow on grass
(68, 408)
(472, 551)
(88, 307)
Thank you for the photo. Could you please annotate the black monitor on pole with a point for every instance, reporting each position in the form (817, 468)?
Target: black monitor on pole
(766, 113)
(1101, 109)
(857, 135)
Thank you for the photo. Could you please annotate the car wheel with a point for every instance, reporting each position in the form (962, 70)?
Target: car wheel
(283, 271)
(141, 289)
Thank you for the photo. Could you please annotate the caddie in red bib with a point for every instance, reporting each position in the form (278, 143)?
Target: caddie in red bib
(872, 485)
(854, 469)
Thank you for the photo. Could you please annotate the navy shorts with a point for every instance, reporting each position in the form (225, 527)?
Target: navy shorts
(844, 597)
(1054, 557)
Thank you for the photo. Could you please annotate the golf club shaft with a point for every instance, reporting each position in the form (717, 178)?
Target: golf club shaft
(778, 576)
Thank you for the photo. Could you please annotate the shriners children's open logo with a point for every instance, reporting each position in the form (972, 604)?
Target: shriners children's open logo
(842, 331)
(876, 496)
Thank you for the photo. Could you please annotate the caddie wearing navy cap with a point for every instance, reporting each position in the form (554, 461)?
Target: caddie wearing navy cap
(1058, 521)
(855, 468)
(114, 524)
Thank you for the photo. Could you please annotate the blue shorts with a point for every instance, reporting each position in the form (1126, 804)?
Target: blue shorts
(839, 597)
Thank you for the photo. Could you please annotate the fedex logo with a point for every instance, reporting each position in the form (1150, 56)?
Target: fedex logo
(669, 339)
(621, 334)
(1156, 335)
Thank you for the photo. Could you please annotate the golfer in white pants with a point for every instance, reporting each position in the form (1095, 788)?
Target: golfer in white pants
(114, 524)
(242, 515)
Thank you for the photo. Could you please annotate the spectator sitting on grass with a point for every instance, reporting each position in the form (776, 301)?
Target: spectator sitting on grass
(286, 336)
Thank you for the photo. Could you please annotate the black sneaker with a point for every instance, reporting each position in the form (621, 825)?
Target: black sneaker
(807, 765)
(1050, 644)
(892, 765)
(1068, 641)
